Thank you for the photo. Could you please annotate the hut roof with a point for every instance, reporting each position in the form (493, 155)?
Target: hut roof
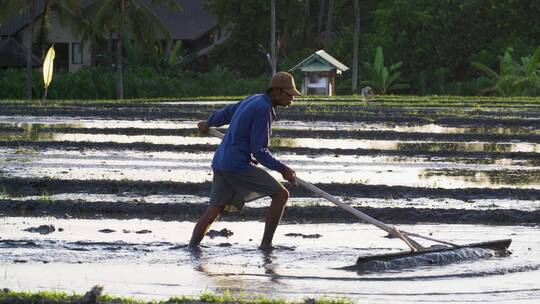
(320, 61)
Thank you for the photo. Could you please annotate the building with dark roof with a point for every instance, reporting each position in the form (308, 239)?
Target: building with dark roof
(192, 24)
(13, 54)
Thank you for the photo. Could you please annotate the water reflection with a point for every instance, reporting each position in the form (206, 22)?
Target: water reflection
(494, 177)
(67, 122)
(431, 128)
(318, 143)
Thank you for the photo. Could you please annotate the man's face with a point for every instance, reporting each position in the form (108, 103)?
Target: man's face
(283, 99)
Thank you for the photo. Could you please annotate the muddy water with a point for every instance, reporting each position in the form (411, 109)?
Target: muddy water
(432, 128)
(156, 264)
(38, 121)
(314, 143)
(195, 167)
(149, 259)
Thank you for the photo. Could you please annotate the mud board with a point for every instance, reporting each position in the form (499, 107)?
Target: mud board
(497, 245)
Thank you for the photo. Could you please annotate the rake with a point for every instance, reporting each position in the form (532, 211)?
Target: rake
(415, 247)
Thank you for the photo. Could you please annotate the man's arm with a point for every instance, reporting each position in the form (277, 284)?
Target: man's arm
(223, 116)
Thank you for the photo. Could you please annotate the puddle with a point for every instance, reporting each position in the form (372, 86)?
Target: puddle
(36, 122)
(319, 143)
(156, 264)
(314, 143)
(431, 128)
(495, 177)
(195, 167)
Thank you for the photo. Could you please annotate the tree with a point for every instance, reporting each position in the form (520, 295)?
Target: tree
(355, 46)
(64, 10)
(273, 35)
(31, 12)
(451, 34)
(327, 36)
(127, 17)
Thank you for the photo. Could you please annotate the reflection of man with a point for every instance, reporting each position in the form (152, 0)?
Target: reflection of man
(236, 179)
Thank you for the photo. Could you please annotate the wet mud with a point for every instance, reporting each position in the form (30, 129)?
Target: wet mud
(341, 113)
(307, 214)
(37, 186)
(118, 227)
(43, 229)
(160, 264)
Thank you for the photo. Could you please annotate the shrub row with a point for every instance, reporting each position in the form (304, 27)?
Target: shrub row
(100, 83)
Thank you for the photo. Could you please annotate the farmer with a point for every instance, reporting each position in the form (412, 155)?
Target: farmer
(237, 178)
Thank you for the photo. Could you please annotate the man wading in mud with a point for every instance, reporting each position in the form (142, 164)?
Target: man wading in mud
(237, 178)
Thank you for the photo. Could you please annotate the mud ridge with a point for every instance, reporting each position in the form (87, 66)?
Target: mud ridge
(149, 147)
(312, 214)
(394, 115)
(16, 186)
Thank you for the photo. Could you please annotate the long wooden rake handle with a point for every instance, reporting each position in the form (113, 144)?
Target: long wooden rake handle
(392, 230)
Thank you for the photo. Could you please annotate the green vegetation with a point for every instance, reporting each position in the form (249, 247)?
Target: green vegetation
(383, 78)
(436, 40)
(144, 82)
(514, 78)
(444, 47)
(341, 100)
(53, 297)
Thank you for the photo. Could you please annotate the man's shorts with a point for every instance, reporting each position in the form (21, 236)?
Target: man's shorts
(233, 190)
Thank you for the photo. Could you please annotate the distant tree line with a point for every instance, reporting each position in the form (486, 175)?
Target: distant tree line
(461, 47)
(437, 41)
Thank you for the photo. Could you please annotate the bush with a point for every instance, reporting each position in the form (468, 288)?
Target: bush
(139, 82)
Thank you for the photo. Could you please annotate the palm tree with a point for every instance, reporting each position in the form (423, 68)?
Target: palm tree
(125, 17)
(64, 10)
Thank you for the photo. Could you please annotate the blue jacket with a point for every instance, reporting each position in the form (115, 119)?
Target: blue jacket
(250, 123)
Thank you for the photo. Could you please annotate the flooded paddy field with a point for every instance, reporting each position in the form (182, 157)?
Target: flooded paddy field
(149, 259)
(126, 182)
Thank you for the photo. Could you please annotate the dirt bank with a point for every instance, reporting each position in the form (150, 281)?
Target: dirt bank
(14, 186)
(310, 214)
(311, 113)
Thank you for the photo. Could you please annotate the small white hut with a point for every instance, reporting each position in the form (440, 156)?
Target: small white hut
(320, 70)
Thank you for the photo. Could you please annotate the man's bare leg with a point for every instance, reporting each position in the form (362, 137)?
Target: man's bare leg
(273, 217)
(211, 213)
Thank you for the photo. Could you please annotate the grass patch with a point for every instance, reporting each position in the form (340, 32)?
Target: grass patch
(53, 297)
(388, 100)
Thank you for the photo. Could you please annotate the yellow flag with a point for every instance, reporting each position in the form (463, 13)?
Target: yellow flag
(48, 67)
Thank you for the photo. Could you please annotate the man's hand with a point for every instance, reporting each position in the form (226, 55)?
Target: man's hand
(203, 126)
(288, 174)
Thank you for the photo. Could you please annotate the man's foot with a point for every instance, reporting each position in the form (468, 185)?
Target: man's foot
(266, 246)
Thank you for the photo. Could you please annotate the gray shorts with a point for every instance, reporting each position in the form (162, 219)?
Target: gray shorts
(233, 190)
